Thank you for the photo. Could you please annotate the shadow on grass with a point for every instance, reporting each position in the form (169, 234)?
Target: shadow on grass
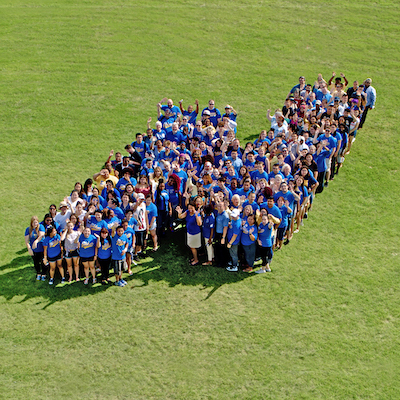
(170, 264)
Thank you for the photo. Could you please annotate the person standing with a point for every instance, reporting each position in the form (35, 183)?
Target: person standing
(34, 235)
(371, 98)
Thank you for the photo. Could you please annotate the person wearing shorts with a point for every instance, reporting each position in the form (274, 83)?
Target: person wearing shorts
(53, 253)
(88, 253)
(69, 236)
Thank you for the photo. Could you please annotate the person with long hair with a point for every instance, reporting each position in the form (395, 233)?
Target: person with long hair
(193, 226)
(53, 253)
(104, 254)
(34, 235)
(208, 232)
(163, 206)
(143, 186)
(265, 243)
(248, 240)
(88, 253)
(69, 236)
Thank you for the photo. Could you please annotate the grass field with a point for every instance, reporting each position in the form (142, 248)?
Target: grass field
(80, 78)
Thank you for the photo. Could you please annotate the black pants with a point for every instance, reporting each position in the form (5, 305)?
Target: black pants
(266, 255)
(363, 117)
(38, 263)
(221, 254)
(321, 181)
(105, 267)
(162, 222)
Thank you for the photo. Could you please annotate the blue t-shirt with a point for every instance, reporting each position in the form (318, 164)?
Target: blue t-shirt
(96, 226)
(53, 245)
(132, 223)
(104, 251)
(87, 246)
(160, 135)
(175, 110)
(151, 211)
(274, 210)
(141, 148)
(113, 222)
(33, 236)
(264, 235)
(130, 234)
(118, 246)
(221, 221)
(192, 116)
(173, 195)
(191, 224)
(208, 224)
(287, 196)
(162, 201)
(246, 231)
(234, 228)
(285, 215)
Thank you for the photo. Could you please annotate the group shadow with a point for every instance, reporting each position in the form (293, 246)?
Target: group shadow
(169, 264)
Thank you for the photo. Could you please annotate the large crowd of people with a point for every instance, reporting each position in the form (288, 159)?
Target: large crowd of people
(239, 201)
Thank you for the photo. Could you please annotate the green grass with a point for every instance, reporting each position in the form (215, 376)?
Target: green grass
(80, 78)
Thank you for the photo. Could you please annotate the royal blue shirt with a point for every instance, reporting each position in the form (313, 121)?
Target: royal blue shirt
(87, 246)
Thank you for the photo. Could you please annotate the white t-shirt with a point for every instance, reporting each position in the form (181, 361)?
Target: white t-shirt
(140, 216)
(62, 219)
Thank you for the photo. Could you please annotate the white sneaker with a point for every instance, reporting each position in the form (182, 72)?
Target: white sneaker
(232, 269)
(261, 271)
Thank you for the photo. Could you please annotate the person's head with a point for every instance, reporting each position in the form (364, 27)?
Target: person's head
(53, 210)
(234, 183)
(128, 214)
(34, 222)
(86, 232)
(74, 195)
(104, 233)
(143, 179)
(260, 166)
(140, 198)
(368, 82)
(51, 231)
(299, 181)
(148, 199)
(251, 197)
(270, 202)
(48, 219)
(98, 215)
(211, 104)
(74, 219)
(120, 230)
(251, 219)
(78, 186)
(70, 226)
(235, 200)
(191, 207)
(79, 207)
(246, 185)
(161, 185)
(63, 207)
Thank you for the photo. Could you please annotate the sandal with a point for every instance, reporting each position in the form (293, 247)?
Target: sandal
(207, 263)
(194, 263)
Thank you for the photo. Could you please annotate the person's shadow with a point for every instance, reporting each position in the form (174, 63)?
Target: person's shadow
(169, 264)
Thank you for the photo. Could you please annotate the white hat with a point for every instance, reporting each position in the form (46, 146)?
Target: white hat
(141, 196)
(235, 213)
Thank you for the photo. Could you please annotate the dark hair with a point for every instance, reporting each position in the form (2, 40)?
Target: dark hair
(49, 230)
(102, 240)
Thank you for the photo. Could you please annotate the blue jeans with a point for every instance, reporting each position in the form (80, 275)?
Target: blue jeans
(250, 253)
(233, 252)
